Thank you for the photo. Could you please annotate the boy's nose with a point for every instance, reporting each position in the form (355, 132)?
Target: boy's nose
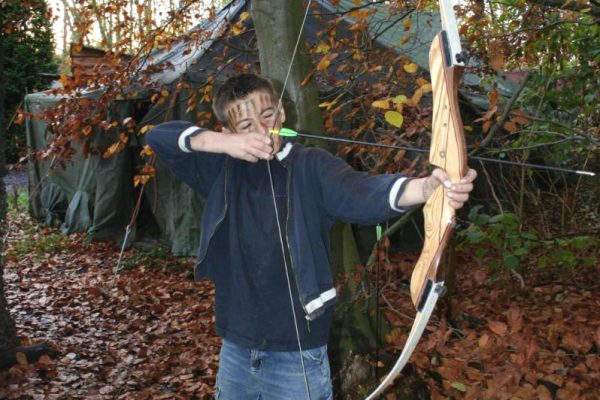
(265, 127)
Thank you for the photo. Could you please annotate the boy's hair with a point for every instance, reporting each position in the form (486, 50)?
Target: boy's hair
(237, 87)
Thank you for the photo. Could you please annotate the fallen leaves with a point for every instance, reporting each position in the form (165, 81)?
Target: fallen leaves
(149, 333)
(499, 328)
(505, 343)
(146, 333)
(394, 118)
(411, 68)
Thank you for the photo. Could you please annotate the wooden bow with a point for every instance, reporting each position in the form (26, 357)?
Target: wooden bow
(448, 151)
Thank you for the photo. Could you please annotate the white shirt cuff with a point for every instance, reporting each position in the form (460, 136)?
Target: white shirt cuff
(183, 135)
(394, 194)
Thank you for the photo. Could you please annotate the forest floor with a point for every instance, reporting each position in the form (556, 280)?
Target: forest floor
(148, 331)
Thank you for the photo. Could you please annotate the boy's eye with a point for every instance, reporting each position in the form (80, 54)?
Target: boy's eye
(268, 114)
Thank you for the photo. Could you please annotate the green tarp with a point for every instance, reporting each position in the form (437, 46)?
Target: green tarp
(96, 195)
(92, 194)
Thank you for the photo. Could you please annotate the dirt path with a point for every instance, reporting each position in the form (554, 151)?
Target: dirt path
(16, 177)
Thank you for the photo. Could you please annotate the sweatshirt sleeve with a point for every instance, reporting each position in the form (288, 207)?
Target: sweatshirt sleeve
(170, 142)
(354, 196)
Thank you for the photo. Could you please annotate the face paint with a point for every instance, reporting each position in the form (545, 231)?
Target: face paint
(254, 113)
(231, 117)
(265, 101)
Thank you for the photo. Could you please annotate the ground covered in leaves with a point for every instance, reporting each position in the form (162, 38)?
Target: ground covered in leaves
(145, 333)
(148, 332)
(495, 340)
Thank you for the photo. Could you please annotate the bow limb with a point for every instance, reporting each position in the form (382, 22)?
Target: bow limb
(413, 338)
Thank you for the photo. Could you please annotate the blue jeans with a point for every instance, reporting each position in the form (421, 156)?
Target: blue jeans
(246, 374)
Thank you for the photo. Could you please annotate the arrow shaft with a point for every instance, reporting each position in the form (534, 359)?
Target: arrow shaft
(419, 150)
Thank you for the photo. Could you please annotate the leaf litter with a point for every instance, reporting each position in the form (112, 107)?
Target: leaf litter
(148, 333)
(144, 333)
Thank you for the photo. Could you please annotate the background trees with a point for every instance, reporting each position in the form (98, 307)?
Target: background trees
(28, 55)
(25, 51)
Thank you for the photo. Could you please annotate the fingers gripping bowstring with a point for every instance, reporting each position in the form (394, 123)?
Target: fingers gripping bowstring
(279, 229)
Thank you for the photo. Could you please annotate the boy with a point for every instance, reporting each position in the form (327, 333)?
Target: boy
(270, 262)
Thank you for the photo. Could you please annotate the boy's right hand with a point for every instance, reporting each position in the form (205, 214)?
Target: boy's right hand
(248, 146)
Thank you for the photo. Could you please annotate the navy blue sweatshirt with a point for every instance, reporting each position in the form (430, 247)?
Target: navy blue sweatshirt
(319, 189)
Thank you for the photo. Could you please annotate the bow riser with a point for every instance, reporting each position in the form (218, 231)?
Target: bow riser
(433, 274)
(448, 147)
(449, 152)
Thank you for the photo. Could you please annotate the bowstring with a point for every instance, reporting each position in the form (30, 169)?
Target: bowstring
(279, 229)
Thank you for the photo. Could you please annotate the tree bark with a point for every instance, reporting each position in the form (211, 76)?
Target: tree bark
(283, 22)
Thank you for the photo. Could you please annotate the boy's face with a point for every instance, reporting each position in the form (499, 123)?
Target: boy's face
(255, 113)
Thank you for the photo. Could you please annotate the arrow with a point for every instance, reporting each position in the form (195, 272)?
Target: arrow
(287, 132)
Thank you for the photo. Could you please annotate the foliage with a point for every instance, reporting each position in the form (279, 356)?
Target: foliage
(28, 52)
(20, 202)
(368, 92)
(557, 117)
(42, 245)
(34, 241)
(374, 93)
(122, 26)
(504, 244)
(549, 41)
(38, 242)
(126, 72)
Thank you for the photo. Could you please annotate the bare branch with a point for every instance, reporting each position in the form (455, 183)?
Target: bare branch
(504, 117)
(594, 8)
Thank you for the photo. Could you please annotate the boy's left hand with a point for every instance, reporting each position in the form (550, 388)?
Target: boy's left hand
(458, 193)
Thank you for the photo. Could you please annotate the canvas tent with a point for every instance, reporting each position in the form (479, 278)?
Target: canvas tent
(77, 196)
(96, 195)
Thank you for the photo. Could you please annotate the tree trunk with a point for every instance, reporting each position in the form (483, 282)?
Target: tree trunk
(29, 354)
(283, 22)
(8, 333)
